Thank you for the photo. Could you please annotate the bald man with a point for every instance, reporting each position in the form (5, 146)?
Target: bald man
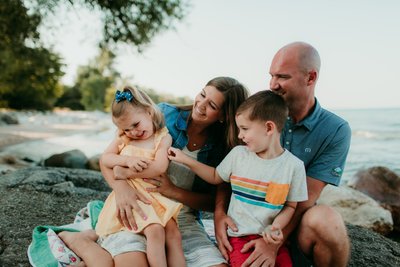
(316, 235)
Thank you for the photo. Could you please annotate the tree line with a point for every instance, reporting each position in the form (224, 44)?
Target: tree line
(30, 72)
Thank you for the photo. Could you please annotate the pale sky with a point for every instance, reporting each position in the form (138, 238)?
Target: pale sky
(358, 41)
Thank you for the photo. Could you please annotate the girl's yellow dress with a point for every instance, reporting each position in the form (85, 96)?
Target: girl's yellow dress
(161, 209)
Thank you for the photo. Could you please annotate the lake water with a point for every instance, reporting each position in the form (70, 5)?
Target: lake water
(375, 136)
(375, 139)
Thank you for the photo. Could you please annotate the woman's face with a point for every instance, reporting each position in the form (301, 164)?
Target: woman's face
(136, 123)
(208, 105)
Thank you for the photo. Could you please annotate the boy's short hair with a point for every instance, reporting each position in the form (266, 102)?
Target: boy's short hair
(266, 106)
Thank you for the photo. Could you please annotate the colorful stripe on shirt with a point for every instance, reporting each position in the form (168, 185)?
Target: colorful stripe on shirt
(251, 192)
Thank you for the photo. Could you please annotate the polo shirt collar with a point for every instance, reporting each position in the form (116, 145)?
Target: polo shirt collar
(312, 119)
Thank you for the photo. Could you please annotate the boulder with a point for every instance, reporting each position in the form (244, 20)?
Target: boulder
(383, 185)
(357, 208)
(93, 163)
(8, 118)
(74, 159)
(12, 163)
(371, 249)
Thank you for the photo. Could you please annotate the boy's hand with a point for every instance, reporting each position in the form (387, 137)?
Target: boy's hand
(137, 164)
(272, 234)
(177, 155)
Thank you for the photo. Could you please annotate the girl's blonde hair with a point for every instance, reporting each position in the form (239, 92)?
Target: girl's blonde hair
(141, 100)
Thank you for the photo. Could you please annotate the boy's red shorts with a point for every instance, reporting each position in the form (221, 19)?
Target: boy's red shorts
(236, 258)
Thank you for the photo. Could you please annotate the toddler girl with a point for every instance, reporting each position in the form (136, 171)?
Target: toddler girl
(141, 145)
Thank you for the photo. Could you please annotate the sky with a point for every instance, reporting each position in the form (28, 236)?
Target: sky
(358, 41)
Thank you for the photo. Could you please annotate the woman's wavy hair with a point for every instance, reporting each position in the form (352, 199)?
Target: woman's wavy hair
(234, 94)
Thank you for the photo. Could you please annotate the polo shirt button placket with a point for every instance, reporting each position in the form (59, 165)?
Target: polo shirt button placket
(289, 138)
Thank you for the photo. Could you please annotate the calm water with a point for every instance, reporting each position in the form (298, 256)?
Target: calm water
(375, 139)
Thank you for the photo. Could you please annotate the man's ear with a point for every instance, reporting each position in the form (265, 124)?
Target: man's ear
(312, 77)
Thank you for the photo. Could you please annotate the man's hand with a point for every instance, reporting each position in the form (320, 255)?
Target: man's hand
(263, 255)
(221, 224)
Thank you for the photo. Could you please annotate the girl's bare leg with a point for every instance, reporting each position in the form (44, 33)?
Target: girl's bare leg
(135, 258)
(155, 235)
(175, 256)
(85, 246)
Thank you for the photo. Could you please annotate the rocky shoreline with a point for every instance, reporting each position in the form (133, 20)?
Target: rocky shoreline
(51, 196)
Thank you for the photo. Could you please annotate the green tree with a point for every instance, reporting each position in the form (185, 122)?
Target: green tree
(133, 22)
(71, 98)
(95, 78)
(30, 72)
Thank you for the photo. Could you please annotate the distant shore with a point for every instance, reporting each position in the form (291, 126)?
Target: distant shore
(41, 134)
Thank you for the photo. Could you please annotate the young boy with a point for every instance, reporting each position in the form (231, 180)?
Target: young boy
(267, 181)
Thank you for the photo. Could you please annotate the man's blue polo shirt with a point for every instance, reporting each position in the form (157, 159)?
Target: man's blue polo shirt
(321, 141)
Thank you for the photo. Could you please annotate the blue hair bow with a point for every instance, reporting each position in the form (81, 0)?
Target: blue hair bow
(125, 95)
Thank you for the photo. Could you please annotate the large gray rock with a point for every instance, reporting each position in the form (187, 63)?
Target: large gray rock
(52, 196)
(93, 163)
(357, 208)
(371, 249)
(8, 118)
(74, 159)
(383, 185)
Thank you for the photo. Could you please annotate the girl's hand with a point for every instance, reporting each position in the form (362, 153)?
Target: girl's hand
(177, 155)
(272, 234)
(137, 164)
(126, 199)
(162, 185)
(122, 173)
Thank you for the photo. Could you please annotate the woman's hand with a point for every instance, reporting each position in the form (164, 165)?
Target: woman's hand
(162, 185)
(126, 199)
